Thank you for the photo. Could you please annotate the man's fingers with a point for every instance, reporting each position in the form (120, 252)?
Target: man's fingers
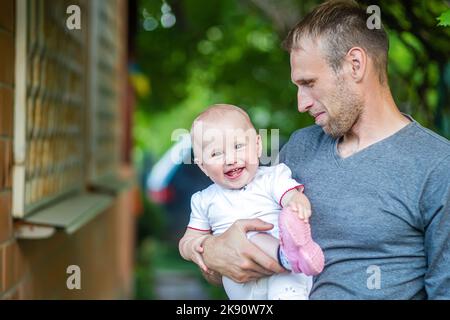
(201, 263)
(252, 276)
(213, 277)
(253, 225)
(251, 266)
(263, 263)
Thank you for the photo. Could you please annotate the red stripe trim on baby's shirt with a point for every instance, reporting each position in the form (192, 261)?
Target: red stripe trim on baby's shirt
(299, 186)
(199, 229)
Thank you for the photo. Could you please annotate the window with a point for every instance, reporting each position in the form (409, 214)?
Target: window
(67, 98)
(105, 94)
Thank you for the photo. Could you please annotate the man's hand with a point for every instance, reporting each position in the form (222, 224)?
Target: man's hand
(212, 277)
(196, 252)
(191, 248)
(234, 256)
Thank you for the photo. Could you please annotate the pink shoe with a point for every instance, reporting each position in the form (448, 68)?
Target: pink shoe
(303, 253)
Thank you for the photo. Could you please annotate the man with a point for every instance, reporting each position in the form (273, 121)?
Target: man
(378, 182)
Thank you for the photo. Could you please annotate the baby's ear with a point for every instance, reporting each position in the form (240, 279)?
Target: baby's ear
(259, 145)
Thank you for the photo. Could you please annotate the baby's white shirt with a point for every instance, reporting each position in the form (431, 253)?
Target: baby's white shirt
(215, 208)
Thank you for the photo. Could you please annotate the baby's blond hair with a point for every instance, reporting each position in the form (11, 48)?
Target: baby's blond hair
(216, 112)
(219, 111)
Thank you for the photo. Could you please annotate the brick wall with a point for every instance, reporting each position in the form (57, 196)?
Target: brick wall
(6, 119)
(36, 269)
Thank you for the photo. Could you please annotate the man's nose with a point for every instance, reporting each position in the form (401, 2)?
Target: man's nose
(305, 100)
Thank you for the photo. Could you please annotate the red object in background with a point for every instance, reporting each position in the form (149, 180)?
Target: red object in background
(162, 196)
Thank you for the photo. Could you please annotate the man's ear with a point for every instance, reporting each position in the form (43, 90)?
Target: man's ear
(356, 62)
(259, 145)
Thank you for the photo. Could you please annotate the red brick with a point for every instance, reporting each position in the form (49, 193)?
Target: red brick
(6, 57)
(19, 263)
(6, 159)
(5, 216)
(8, 266)
(25, 289)
(2, 163)
(11, 295)
(7, 15)
(6, 111)
(8, 164)
(2, 268)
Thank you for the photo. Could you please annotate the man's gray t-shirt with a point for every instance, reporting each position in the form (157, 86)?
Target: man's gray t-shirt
(382, 215)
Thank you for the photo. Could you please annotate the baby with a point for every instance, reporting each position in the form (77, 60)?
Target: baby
(227, 149)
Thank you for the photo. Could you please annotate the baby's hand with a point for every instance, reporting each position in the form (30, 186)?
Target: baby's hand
(300, 204)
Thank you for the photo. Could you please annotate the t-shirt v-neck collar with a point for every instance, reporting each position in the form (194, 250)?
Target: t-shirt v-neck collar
(362, 153)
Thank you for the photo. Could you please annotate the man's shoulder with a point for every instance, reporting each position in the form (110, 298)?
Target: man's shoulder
(431, 137)
(429, 144)
(308, 139)
(313, 131)
(304, 143)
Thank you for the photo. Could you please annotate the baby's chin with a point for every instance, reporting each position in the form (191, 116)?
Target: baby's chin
(238, 185)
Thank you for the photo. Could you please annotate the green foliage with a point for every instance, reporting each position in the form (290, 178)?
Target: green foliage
(219, 51)
(154, 257)
(229, 51)
(444, 19)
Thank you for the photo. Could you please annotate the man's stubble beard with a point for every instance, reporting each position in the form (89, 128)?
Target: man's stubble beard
(347, 107)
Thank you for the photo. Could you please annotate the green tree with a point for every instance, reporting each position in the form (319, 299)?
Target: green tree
(229, 51)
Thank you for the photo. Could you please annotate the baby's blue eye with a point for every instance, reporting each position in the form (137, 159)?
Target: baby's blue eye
(216, 153)
(239, 145)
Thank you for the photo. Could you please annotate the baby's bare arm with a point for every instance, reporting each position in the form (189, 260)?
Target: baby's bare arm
(191, 247)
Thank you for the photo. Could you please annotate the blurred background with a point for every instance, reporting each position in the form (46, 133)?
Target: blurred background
(93, 157)
(190, 54)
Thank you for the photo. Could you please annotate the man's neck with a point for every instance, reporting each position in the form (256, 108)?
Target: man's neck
(379, 120)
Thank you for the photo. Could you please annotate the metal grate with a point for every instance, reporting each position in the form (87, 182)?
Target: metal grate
(67, 95)
(105, 49)
(50, 103)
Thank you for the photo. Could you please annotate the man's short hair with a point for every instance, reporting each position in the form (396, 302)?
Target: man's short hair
(342, 25)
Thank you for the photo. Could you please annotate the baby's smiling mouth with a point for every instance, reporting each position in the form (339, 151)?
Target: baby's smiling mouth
(234, 173)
